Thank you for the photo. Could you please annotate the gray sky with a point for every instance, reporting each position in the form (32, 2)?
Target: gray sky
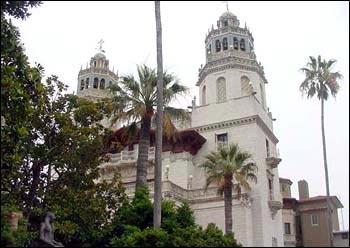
(62, 36)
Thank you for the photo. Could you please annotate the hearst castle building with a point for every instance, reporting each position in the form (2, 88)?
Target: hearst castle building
(232, 108)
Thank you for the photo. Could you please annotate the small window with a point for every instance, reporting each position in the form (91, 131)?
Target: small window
(314, 220)
(235, 43)
(345, 235)
(102, 84)
(217, 45)
(242, 45)
(225, 23)
(283, 188)
(222, 140)
(82, 85)
(87, 83)
(224, 44)
(110, 83)
(267, 148)
(204, 95)
(287, 228)
(94, 63)
(95, 83)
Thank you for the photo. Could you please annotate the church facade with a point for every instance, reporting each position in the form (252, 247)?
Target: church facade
(232, 108)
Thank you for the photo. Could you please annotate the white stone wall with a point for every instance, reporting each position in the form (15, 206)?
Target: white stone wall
(288, 216)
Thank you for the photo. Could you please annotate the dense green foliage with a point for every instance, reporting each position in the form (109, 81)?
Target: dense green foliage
(134, 226)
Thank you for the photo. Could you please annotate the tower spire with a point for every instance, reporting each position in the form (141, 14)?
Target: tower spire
(226, 2)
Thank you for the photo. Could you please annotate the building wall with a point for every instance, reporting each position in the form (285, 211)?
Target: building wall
(288, 216)
(341, 239)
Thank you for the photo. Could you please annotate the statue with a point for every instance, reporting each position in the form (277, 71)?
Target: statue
(47, 229)
(46, 238)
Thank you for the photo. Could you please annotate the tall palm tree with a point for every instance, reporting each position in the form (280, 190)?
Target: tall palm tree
(157, 212)
(320, 80)
(134, 100)
(231, 169)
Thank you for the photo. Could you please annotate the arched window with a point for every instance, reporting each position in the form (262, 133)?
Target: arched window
(95, 63)
(95, 83)
(209, 49)
(221, 90)
(224, 44)
(102, 84)
(235, 43)
(82, 85)
(87, 83)
(225, 23)
(246, 87)
(262, 95)
(204, 95)
(217, 46)
(242, 45)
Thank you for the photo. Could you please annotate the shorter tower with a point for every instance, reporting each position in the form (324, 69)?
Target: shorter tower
(94, 79)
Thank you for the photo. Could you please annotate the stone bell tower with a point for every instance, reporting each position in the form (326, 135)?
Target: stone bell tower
(96, 77)
(233, 109)
(94, 80)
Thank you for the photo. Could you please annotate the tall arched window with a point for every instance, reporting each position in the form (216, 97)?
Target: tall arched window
(94, 63)
(221, 90)
(246, 88)
(204, 95)
(95, 83)
(87, 83)
(217, 45)
(262, 95)
(102, 83)
(242, 45)
(235, 43)
(224, 44)
(82, 85)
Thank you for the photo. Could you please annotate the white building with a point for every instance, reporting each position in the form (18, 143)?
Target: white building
(232, 108)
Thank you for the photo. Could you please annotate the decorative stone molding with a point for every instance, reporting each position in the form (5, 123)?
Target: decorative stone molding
(273, 161)
(274, 207)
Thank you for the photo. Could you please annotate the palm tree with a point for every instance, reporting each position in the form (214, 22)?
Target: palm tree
(134, 100)
(231, 169)
(157, 212)
(321, 80)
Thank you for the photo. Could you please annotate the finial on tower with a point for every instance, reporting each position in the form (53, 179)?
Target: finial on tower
(226, 4)
(100, 46)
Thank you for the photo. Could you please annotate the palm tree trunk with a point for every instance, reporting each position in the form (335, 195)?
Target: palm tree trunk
(329, 215)
(228, 205)
(142, 159)
(158, 156)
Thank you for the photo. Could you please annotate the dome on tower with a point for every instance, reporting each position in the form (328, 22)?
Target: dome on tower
(100, 56)
(227, 14)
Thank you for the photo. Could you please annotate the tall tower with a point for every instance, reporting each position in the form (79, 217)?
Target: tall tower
(94, 79)
(233, 109)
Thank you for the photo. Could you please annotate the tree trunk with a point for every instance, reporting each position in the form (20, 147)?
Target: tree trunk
(142, 159)
(228, 205)
(36, 168)
(157, 211)
(329, 215)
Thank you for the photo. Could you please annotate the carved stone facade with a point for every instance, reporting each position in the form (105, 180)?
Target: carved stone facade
(232, 102)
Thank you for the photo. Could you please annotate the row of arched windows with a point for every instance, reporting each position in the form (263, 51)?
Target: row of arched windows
(246, 89)
(224, 44)
(96, 84)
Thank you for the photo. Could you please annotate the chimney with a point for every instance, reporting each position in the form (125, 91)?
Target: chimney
(303, 190)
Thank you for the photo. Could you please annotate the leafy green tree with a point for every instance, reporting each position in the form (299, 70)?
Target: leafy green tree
(321, 80)
(230, 168)
(134, 100)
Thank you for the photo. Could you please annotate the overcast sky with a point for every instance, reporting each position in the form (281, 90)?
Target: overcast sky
(62, 36)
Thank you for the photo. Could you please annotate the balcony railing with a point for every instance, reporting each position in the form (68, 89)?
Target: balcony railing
(130, 156)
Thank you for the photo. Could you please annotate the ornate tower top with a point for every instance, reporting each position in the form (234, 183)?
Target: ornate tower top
(229, 45)
(95, 78)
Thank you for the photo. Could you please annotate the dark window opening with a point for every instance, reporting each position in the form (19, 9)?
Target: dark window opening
(110, 83)
(225, 23)
(217, 45)
(102, 84)
(235, 43)
(87, 83)
(224, 44)
(242, 45)
(267, 148)
(95, 83)
(287, 228)
(222, 140)
(94, 63)
(82, 85)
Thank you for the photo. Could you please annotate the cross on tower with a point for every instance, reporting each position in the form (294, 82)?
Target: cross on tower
(100, 46)
(226, 4)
